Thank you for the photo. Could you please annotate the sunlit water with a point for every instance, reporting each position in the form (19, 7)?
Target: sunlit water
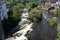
(25, 30)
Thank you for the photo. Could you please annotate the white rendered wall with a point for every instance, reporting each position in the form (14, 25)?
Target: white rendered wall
(4, 11)
(1, 15)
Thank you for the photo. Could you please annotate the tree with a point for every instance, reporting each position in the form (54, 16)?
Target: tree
(57, 12)
(11, 3)
(17, 11)
(14, 2)
(31, 5)
(52, 22)
(58, 33)
(16, 8)
(35, 15)
(37, 1)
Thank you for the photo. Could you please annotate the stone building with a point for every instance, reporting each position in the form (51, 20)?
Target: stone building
(1, 32)
(3, 15)
(3, 10)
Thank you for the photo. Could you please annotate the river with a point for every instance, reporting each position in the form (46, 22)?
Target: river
(42, 32)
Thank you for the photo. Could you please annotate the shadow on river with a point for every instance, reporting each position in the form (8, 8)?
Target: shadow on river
(43, 32)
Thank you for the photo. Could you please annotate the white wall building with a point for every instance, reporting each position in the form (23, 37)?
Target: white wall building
(3, 11)
(57, 4)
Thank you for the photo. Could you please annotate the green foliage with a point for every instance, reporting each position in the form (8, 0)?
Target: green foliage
(31, 5)
(13, 2)
(19, 1)
(57, 12)
(37, 1)
(17, 11)
(52, 22)
(58, 34)
(35, 15)
(20, 5)
(16, 7)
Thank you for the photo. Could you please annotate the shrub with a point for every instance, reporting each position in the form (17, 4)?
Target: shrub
(35, 15)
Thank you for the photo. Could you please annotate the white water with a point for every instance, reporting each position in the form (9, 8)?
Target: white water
(25, 30)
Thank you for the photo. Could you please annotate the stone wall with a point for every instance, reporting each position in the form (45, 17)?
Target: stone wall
(1, 32)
